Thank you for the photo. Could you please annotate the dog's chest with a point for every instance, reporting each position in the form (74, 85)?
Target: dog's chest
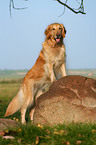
(54, 58)
(59, 58)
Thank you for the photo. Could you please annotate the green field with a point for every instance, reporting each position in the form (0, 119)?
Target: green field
(17, 74)
(66, 134)
(12, 74)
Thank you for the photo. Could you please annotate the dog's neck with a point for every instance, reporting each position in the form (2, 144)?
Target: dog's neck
(50, 48)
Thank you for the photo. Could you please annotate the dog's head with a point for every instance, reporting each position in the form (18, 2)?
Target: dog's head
(55, 32)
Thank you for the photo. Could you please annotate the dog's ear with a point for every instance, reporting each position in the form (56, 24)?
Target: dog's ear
(47, 32)
(63, 31)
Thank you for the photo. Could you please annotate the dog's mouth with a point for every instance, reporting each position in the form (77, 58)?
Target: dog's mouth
(57, 38)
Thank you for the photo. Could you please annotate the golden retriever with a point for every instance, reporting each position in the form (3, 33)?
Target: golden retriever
(50, 63)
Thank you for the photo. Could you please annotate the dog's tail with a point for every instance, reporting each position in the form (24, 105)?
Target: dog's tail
(15, 104)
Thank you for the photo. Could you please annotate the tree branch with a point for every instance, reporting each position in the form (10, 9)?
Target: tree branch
(80, 10)
(76, 11)
(13, 6)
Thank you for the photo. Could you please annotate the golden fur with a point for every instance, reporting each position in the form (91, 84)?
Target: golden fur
(50, 63)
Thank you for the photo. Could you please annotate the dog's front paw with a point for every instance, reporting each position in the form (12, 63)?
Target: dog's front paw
(53, 79)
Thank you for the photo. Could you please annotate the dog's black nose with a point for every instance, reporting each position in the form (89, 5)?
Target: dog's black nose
(58, 35)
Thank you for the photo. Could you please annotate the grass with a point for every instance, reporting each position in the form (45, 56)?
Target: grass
(7, 92)
(66, 134)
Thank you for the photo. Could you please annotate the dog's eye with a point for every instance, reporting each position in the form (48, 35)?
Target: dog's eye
(59, 28)
(53, 28)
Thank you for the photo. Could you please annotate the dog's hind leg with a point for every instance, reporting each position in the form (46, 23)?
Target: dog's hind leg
(23, 110)
(40, 92)
(28, 99)
(32, 113)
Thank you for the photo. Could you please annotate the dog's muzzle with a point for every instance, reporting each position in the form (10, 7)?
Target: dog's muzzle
(58, 38)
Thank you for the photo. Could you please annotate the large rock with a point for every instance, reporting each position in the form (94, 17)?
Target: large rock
(70, 99)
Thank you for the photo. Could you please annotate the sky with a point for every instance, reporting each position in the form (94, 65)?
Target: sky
(21, 36)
